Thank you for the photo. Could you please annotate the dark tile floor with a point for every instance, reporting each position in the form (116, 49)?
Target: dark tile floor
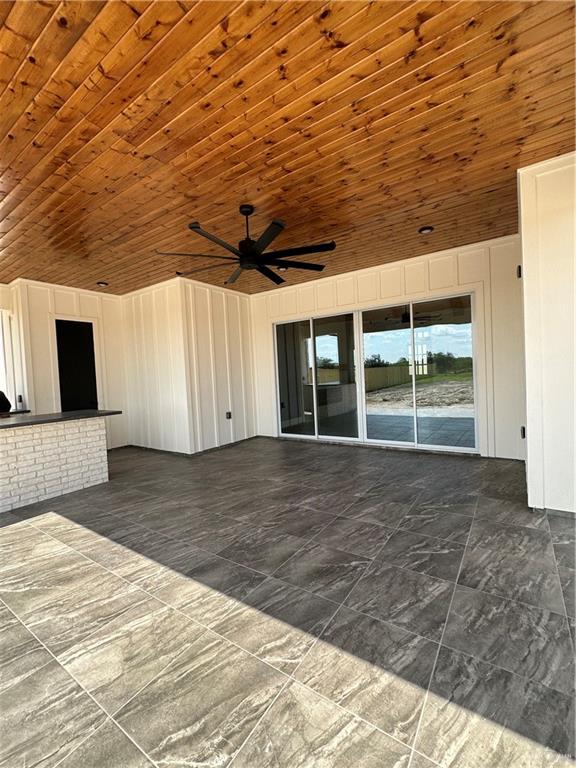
(454, 431)
(282, 604)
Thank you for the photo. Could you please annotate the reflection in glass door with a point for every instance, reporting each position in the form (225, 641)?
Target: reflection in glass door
(444, 372)
(295, 378)
(335, 376)
(389, 395)
(418, 375)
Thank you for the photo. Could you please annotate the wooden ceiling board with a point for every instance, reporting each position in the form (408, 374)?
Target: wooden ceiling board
(359, 121)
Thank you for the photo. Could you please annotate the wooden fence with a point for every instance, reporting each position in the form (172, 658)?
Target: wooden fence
(375, 378)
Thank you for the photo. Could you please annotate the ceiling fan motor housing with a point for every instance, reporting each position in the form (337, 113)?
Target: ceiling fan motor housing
(248, 255)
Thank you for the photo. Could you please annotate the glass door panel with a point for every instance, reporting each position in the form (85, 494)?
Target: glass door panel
(389, 396)
(335, 376)
(443, 361)
(295, 378)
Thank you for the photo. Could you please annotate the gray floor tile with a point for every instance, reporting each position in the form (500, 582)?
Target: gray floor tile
(277, 622)
(295, 520)
(155, 525)
(477, 714)
(435, 557)
(166, 516)
(85, 518)
(355, 536)
(572, 626)
(413, 601)
(262, 549)
(116, 661)
(514, 576)
(438, 523)
(212, 533)
(510, 512)
(22, 543)
(529, 641)
(142, 565)
(562, 524)
(373, 669)
(200, 710)
(114, 548)
(109, 747)
(45, 715)
(20, 652)
(432, 501)
(419, 761)
(511, 539)
(209, 590)
(565, 549)
(301, 729)
(8, 519)
(568, 582)
(386, 506)
(327, 571)
(64, 597)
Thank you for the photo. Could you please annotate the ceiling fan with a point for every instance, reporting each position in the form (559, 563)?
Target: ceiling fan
(252, 254)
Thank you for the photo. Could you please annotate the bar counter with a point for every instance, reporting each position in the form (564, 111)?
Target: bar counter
(47, 455)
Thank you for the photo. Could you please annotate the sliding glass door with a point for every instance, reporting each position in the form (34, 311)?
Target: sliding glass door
(336, 376)
(317, 377)
(295, 378)
(417, 375)
(388, 390)
(444, 372)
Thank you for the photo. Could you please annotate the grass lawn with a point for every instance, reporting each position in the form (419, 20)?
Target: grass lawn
(436, 378)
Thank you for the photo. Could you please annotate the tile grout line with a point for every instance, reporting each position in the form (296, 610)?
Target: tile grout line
(232, 642)
(304, 589)
(77, 747)
(290, 681)
(269, 575)
(564, 601)
(338, 608)
(440, 643)
(87, 692)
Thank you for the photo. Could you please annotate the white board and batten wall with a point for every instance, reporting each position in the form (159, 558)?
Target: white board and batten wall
(176, 357)
(548, 215)
(189, 355)
(486, 270)
(35, 306)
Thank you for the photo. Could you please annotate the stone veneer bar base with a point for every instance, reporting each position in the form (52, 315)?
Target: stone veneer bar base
(47, 460)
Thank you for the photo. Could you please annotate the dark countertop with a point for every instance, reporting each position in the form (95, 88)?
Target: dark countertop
(29, 419)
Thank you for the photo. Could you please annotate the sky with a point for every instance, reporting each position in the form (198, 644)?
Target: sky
(391, 346)
(456, 339)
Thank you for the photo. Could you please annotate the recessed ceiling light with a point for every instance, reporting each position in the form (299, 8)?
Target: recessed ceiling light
(282, 269)
(425, 230)
(102, 284)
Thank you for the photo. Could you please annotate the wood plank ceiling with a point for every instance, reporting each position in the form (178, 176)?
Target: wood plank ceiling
(120, 122)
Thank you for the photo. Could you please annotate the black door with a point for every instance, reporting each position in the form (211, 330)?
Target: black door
(76, 365)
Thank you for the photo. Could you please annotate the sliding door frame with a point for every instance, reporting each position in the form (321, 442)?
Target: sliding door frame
(363, 438)
(415, 445)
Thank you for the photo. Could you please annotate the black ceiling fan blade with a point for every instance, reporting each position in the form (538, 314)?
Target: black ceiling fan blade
(302, 250)
(291, 264)
(270, 233)
(195, 227)
(270, 275)
(234, 276)
(196, 255)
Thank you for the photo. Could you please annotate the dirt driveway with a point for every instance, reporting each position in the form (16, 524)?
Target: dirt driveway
(447, 394)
